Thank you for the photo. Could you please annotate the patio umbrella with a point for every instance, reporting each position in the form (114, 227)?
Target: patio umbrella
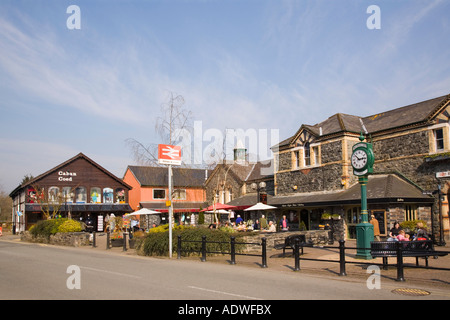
(260, 206)
(143, 211)
(218, 211)
(219, 206)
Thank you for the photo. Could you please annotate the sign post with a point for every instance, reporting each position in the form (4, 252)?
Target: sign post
(170, 155)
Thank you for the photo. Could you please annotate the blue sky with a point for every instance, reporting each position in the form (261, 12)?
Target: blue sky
(257, 64)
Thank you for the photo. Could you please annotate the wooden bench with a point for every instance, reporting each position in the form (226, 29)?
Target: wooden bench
(289, 242)
(417, 249)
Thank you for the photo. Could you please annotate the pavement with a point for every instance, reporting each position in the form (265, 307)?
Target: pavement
(356, 269)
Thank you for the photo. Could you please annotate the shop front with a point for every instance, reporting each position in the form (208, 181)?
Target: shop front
(78, 188)
(389, 198)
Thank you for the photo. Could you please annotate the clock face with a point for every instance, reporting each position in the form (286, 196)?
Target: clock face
(359, 159)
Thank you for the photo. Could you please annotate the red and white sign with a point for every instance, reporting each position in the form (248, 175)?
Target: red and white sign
(169, 154)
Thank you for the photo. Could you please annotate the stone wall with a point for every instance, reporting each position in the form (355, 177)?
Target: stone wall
(401, 146)
(316, 237)
(331, 152)
(324, 178)
(73, 239)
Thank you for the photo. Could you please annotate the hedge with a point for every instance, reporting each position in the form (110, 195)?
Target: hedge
(157, 243)
(46, 228)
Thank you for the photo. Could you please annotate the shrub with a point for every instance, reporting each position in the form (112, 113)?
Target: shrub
(411, 225)
(156, 243)
(45, 228)
(70, 226)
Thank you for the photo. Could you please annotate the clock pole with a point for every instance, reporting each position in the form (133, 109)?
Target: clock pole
(364, 230)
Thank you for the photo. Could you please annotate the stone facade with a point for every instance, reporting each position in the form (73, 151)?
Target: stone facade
(72, 239)
(315, 237)
(412, 142)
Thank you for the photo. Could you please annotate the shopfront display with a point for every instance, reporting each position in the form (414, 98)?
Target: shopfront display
(77, 188)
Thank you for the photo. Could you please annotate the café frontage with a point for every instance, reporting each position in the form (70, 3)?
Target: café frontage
(77, 188)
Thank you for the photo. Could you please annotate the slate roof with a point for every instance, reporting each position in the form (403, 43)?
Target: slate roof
(415, 114)
(62, 165)
(247, 200)
(158, 176)
(380, 188)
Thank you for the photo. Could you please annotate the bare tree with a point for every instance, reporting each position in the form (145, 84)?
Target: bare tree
(175, 117)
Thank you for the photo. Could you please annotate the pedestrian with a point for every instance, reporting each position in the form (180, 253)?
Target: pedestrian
(421, 232)
(263, 223)
(284, 223)
(394, 231)
(271, 227)
(239, 220)
(402, 236)
(256, 225)
(376, 227)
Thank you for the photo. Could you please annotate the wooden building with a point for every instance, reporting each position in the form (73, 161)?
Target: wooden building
(78, 187)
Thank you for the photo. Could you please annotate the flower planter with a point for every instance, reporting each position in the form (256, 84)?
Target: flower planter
(116, 242)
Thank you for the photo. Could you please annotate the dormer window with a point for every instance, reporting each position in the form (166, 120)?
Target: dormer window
(307, 153)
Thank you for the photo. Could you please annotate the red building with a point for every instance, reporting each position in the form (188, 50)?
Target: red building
(150, 190)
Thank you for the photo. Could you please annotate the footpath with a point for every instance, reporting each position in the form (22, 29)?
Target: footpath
(356, 269)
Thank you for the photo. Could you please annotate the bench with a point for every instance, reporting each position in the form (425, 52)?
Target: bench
(417, 249)
(289, 242)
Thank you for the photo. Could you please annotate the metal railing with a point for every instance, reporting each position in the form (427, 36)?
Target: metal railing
(203, 251)
(342, 261)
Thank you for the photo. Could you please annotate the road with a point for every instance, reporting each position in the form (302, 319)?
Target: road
(34, 271)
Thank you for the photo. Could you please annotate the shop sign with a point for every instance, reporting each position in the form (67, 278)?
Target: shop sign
(443, 174)
(66, 175)
(168, 154)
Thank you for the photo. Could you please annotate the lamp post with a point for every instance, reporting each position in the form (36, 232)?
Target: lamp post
(362, 161)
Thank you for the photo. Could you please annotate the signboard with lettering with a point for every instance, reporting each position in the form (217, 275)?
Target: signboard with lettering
(443, 174)
(168, 154)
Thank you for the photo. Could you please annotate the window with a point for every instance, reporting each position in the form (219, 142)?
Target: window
(307, 151)
(96, 195)
(80, 195)
(179, 194)
(67, 194)
(159, 194)
(410, 212)
(53, 194)
(297, 159)
(230, 194)
(316, 155)
(120, 195)
(108, 195)
(439, 139)
(32, 195)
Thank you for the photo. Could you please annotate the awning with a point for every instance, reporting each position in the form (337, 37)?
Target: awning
(84, 207)
(381, 188)
(190, 207)
(143, 211)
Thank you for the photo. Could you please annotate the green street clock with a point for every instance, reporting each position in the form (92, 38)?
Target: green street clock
(362, 162)
(362, 158)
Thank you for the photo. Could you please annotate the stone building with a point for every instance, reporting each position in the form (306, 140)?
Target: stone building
(240, 183)
(313, 174)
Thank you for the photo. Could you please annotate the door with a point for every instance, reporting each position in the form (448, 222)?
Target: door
(380, 215)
